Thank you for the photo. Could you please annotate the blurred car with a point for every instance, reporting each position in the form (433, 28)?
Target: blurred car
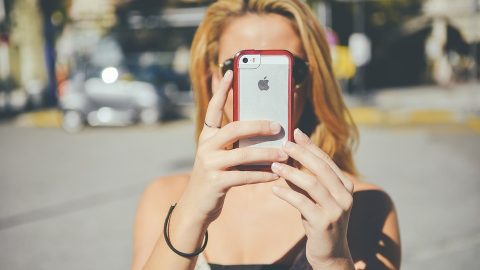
(108, 87)
(108, 99)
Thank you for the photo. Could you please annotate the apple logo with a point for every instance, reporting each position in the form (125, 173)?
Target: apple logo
(263, 84)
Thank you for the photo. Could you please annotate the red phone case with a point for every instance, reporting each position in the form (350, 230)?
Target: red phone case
(236, 106)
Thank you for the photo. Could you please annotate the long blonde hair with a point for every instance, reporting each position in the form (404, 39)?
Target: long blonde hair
(325, 118)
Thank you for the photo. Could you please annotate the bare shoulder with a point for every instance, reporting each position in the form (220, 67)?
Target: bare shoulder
(360, 185)
(374, 226)
(157, 198)
(165, 189)
(365, 186)
(151, 211)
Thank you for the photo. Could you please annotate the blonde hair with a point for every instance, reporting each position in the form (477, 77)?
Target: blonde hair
(325, 118)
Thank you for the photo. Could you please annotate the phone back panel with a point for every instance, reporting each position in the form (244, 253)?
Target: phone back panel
(262, 91)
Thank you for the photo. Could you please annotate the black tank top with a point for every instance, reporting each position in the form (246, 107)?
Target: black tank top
(294, 259)
(249, 267)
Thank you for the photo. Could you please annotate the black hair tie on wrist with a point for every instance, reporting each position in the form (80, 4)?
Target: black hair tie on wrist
(167, 239)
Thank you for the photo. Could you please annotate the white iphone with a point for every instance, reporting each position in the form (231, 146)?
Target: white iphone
(262, 90)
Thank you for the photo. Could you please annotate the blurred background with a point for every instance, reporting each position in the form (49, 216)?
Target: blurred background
(95, 102)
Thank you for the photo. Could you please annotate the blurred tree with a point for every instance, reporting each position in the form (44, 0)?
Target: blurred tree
(54, 18)
(382, 15)
(155, 5)
(189, 3)
(397, 59)
(382, 21)
(143, 5)
(4, 24)
(58, 13)
(385, 16)
(395, 12)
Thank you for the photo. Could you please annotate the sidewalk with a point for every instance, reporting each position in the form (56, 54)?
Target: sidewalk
(459, 104)
(68, 201)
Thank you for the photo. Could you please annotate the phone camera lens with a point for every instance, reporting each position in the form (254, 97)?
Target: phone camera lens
(245, 60)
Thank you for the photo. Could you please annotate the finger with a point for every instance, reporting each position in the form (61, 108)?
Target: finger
(246, 155)
(230, 179)
(307, 182)
(237, 130)
(214, 114)
(308, 209)
(303, 140)
(321, 169)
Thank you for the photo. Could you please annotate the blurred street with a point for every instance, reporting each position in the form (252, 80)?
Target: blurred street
(68, 201)
(96, 101)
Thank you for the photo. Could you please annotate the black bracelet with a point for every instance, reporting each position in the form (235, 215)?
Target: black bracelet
(165, 234)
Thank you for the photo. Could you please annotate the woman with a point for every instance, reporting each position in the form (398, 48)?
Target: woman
(254, 219)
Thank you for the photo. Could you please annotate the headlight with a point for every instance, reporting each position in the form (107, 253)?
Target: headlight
(109, 74)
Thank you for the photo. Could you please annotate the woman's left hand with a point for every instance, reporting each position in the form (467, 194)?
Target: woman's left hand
(324, 205)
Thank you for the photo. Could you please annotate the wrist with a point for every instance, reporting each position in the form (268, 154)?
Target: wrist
(183, 229)
(340, 260)
(334, 264)
(183, 236)
(187, 217)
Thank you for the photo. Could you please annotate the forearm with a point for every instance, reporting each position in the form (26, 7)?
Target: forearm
(186, 234)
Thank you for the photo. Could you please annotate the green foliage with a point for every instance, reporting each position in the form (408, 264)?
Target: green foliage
(393, 12)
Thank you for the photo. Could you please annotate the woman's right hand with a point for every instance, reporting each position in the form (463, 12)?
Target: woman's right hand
(211, 176)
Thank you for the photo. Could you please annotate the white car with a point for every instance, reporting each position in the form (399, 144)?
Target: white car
(108, 101)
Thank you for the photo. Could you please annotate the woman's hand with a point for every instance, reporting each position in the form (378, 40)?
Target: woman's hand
(212, 176)
(324, 205)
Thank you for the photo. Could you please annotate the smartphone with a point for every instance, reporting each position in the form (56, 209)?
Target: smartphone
(262, 90)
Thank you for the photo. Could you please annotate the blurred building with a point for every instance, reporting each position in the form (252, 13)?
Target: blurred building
(464, 17)
(464, 14)
(23, 76)
(43, 43)
(412, 41)
(144, 45)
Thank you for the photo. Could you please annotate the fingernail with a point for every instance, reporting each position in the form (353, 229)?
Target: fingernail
(227, 75)
(276, 167)
(302, 135)
(282, 155)
(275, 127)
(287, 144)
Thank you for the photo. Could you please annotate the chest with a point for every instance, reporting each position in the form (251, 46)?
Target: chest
(254, 231)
